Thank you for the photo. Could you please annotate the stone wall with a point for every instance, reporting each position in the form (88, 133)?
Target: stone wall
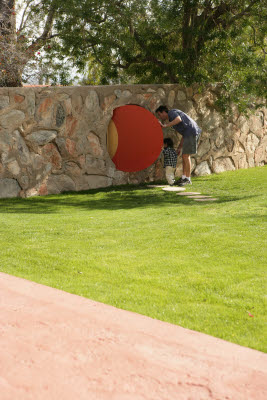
(54, 139)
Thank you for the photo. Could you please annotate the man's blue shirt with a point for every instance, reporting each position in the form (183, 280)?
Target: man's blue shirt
(187, 126)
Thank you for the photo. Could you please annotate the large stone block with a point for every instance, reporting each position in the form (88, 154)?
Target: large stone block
(94, 165)
(120, 178)
(77, 103)
(108, 102)
(251, 160)
(238, 148)
(252, 142)
(161, 92)
(14, 168)
(1, 170)
(122, 93)
(82, 145)
(95, 146)
(222, 165)
(62, 97)
(92, 101)
(7, 157)
(171, 98)
(203, 148)
(22, 151)
(4, 102)
(189, 92)
(12, 120)
(51, 155)
(202, 169)
(72, 169)
(219, 137)
(24, 181)
(60, 115)
(193, 164)
(71, 147)
(256, 124)
(188, 108)
(242, 162)
(71, 126)
(181, 96)
(243, 125)
(36, 161)
(30, 97)
(158, 172)
(42, 137)
(93, 182)
(179, 168)
(153, 103)
(61, 144)
(261, 152)
(18, 98)
(212, 121)
(68, 106)
(59, 183)
(9, 188)
(5, 141)
(45, 112)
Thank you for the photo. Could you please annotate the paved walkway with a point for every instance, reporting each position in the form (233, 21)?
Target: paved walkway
(57, 346)
(196, 196)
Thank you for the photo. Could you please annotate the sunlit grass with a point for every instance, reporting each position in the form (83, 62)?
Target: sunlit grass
(202, 266)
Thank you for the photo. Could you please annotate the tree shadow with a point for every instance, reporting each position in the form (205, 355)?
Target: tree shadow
(251, 217)
(112, 198)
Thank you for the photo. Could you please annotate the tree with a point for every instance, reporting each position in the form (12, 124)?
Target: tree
(146, 41)
(21, 45)
(172, 41)
(9, 68)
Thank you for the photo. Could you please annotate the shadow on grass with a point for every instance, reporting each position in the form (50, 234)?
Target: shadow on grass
(112, 198)
(256, 217)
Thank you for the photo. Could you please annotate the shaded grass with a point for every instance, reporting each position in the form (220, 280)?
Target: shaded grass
(198, 265)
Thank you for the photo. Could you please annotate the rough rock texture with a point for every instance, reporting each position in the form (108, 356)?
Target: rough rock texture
(42, 137)
(9, 188)
(202, 169)
(54, 139)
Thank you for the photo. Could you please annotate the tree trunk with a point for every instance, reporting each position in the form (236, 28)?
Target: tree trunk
(10, 74)
(189, 37)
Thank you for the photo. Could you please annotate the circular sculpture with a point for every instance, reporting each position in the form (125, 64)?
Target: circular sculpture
(134, 138)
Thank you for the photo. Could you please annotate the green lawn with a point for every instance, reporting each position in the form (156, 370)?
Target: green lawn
(201, 266)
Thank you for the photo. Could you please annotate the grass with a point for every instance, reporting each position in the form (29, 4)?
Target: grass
(201, 266)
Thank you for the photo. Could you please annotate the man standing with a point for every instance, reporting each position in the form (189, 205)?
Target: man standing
(190, 132)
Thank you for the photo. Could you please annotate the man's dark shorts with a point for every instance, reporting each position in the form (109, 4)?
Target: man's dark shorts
(190, 144)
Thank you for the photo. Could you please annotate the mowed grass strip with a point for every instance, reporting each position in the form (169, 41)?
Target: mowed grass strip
(199, 265)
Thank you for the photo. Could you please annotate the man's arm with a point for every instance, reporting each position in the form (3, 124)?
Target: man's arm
(176, 121)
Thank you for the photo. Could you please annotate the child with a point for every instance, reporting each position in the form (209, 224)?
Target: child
(170, 160)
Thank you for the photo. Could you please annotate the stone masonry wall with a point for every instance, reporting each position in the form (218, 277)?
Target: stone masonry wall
(54, 139)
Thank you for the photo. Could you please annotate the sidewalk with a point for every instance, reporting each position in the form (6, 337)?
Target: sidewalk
(58, 346)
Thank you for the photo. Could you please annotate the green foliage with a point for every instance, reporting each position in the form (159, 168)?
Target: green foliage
(201, 266)
(30, 49)
(178, 41)
(150, 41)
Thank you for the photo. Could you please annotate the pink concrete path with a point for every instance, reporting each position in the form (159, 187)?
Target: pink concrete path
(58, 346)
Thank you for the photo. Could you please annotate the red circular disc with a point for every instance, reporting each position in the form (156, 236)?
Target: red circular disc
(139, 138)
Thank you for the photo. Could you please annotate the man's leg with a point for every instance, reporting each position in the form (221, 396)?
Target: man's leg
(187, 165)
(185, 180)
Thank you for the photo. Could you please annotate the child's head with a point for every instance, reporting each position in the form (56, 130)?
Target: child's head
(168, 142)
